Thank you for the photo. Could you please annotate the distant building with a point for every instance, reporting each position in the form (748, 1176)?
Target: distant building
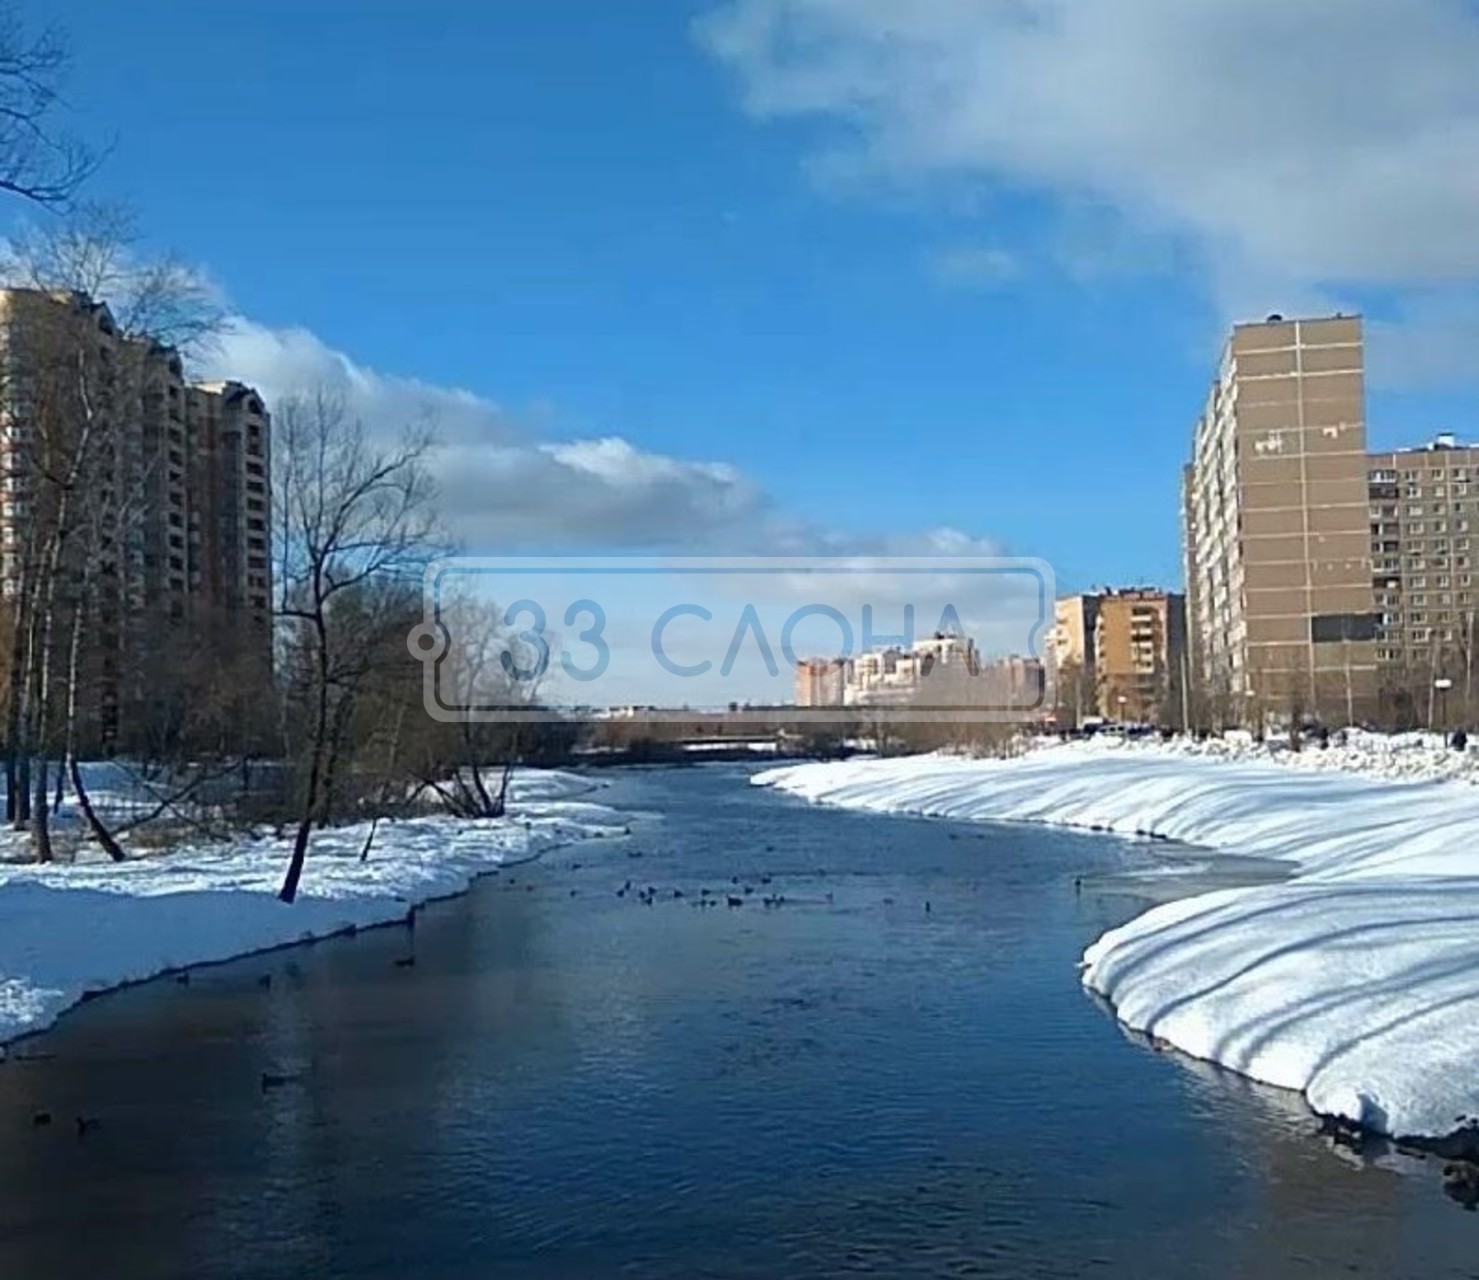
(1140, 656)
(1071, 650)
(1013, 684)
(821, 682)
(939, 670)
(1121, 655)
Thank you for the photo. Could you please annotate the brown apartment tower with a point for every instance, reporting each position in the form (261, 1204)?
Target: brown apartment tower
(183, 572)
(1277, 539)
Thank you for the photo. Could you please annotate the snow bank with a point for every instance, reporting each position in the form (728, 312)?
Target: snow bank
(1397, 757)
(1355, 982)
(68, 931)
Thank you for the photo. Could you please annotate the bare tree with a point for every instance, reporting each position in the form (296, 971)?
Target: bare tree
(39, 160)
(468, 763)
(98, 251)
(353, 515)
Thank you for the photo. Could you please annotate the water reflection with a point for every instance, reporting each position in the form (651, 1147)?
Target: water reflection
(590, 1086)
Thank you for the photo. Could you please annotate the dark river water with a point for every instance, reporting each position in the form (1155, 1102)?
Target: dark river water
(568, 1083)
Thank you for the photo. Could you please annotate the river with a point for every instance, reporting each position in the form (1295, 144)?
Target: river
(892, 1072)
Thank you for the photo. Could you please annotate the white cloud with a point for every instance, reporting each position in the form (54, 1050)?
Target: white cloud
(1306, 145)
(506, 488)
(502, 488)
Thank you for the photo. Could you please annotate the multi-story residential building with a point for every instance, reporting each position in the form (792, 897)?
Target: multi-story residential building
(1072, 639)
(1424, 540)
(932, 670)
(1015, 684)
(1071, 652)
(1121, 654)
(821, 682)
(882, 677)
(1140, 656)
(230, 435)
(170, 510)
(1277, 540)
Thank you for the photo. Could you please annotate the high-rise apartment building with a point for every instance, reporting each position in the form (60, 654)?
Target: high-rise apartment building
(1277, 537)
(1424, 540)
(170, 515)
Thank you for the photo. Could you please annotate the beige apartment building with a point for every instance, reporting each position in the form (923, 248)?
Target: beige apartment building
(1121, 654)
(1277, 538)
(1140, 656)
(176, 535)
(821, 682)
(1424, 512)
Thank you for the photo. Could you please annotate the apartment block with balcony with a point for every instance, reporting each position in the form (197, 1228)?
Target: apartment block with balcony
(182, 567)
(1121, 655)
(1424, 513)
(1276, 532)
(1139, 656)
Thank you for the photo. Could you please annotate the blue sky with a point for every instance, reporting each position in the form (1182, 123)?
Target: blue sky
(846, 269)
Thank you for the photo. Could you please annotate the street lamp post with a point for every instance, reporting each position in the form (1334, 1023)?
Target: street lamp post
(1441, 686)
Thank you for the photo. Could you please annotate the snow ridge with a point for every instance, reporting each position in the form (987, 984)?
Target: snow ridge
(1355, 982)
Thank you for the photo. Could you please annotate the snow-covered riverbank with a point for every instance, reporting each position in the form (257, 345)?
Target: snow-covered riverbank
(69, 931)
(1355, 982)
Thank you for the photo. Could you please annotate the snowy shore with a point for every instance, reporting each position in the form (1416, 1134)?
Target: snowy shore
(1355, 982)
(67, 932)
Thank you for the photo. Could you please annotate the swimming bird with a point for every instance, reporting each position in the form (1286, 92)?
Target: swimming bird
(183, 978)
(276, 1080)
(406, 962)
(87, 1124)
(41, 1119)
(735, 902)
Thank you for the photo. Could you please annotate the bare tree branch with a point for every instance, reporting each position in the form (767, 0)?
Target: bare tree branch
(39, 161)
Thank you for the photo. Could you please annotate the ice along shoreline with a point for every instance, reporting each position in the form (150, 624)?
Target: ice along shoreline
(1354, 982)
